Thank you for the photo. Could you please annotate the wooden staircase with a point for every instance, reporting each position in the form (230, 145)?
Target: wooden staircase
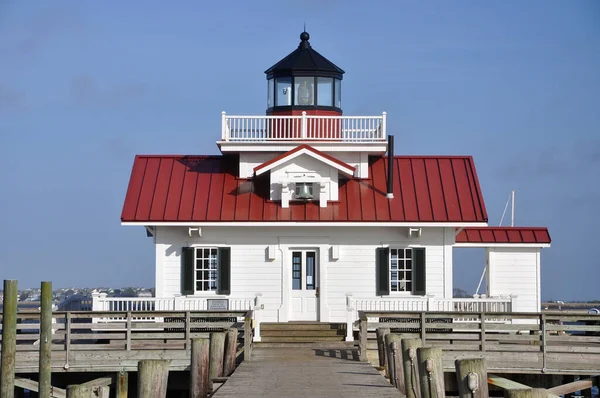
(302, 333)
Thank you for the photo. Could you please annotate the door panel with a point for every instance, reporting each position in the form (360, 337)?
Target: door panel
(305, 286)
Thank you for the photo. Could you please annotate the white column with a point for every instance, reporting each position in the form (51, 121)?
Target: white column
(349, 317)
(257, 316)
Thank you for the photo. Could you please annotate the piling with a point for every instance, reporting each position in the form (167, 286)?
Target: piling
(153, 376)
(395, 373)
(431, 372)
(77, 391)
(217, 350)
(411, 367)
(471, 376)
(381, 332)
(45, 381)
(526, 393)
(9, 339)
(121, 384)
(199, 380)
(230, 351)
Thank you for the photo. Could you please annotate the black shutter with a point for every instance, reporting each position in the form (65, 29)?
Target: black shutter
(418, 262)
(224, 279)
(383, 271)
(187, 270)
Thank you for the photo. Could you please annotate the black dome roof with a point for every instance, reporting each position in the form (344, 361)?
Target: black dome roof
(304, 61)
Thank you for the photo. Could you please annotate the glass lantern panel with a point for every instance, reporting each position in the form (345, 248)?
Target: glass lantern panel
(325, 91)
(304, 91)
(283, 94)
(338, 93)
(270, 93)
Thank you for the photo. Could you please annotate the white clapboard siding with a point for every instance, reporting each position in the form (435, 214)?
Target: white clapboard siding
(515, 271)
(253, 272)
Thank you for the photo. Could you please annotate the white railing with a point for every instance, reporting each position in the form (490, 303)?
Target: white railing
(100, 302)
(432, 304)
(305, 127)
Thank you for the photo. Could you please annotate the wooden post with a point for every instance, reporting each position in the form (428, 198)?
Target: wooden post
(45, 370)
(230, 351)
(395, 373)
(411, 367)
(67, 339)
(199, 379)
(526, 393)
(363, 339)
(102, 392)
(396, 359)
(381, 332)
(217, 350)
(77, 391)
(122, 384)
(9, 339)
(153, 376)
(471, 376)
(431, 372)
(482, 324)
(247, 336)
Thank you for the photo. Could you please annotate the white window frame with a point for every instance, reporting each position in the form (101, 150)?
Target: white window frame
(210, 270)
(404, 269)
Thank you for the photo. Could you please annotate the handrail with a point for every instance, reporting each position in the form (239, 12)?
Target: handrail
(541, 341)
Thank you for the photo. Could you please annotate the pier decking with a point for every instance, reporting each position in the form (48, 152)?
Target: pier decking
(306, 372)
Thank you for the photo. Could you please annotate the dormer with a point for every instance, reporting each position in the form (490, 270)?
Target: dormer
(304, 107)
(304, 174)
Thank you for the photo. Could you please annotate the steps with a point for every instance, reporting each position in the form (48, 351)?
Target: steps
(301, 333)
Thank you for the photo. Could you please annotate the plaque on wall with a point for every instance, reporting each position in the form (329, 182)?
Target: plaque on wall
(217, 304)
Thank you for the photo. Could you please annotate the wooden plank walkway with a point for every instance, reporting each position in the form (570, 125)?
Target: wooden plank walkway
(306, 372)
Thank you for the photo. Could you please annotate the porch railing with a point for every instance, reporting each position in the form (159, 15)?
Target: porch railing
(100, 302)
(305, 127)
(429, 303)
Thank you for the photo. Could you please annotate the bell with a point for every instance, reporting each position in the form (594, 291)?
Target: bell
(304, 191)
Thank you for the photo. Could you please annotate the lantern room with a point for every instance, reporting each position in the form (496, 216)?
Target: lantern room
(304, 81)
(304, 107)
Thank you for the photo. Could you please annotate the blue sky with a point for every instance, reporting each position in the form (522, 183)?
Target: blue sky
(86, 85)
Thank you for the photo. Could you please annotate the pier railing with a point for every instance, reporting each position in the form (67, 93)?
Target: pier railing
(304, 127)
(79, 344)
(549, 342)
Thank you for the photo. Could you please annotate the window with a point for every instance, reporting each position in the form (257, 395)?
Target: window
(297, 271)
(304, 91)
(270, 93)
(283, 94)
(325, 91)
(400, 270)
(206, 269)
(338, 93)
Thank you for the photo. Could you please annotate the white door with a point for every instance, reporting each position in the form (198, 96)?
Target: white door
(305, 286)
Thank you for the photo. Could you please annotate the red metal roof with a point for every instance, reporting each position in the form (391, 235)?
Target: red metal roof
(298, 149)
(206, 188)
(534, 235)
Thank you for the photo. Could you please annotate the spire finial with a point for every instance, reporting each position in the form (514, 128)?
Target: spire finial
(304, 36)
